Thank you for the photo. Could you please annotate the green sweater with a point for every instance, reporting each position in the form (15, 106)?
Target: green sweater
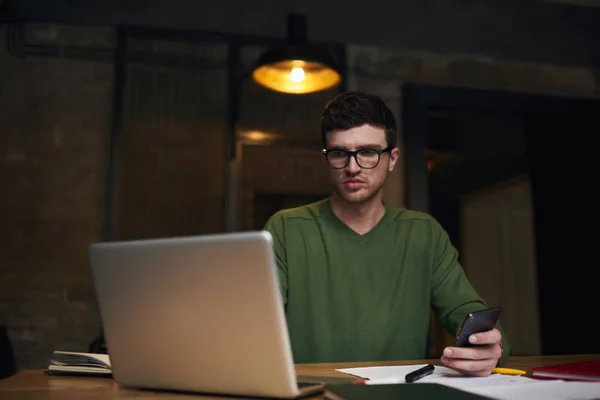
(351, 297)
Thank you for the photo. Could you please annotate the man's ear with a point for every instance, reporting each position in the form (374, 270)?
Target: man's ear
(394, 157)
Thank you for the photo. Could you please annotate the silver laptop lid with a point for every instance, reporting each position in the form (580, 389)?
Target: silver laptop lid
(195, 314)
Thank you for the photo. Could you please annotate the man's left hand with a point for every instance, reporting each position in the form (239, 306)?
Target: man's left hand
(479, 360)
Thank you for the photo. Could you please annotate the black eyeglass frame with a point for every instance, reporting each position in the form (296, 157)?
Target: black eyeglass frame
(355, 155)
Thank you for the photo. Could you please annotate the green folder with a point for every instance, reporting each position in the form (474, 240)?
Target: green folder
(409, 391)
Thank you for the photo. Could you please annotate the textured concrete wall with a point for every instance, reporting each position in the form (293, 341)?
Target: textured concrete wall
(54, 117)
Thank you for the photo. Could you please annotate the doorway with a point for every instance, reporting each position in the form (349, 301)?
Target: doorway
(462, 142)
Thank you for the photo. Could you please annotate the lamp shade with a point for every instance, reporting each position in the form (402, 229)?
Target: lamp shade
(298, 67)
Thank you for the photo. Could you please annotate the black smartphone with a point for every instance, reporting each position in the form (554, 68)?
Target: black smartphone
(476, 322)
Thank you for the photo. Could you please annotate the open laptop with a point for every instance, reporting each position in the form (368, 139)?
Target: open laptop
(200, 314)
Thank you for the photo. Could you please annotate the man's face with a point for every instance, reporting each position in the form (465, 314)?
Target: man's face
(355, 184)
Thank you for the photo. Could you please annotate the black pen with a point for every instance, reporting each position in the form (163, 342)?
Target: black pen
(420, 373)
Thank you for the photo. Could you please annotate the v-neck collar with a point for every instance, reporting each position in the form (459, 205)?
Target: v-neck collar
(328, 210)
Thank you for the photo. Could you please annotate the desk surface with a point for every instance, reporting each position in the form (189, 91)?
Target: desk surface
(35, 385)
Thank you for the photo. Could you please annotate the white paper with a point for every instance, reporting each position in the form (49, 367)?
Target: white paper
(441, 375)
(543, 390)
(394, 371)
(496, 386)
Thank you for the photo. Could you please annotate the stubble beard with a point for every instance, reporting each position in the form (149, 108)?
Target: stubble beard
(361, 196)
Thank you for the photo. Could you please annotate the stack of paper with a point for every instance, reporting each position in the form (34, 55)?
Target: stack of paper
(80, 363)
(495, 386)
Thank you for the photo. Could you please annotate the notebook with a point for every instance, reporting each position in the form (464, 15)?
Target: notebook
(79, 363)
(575, 371)
(423, 391)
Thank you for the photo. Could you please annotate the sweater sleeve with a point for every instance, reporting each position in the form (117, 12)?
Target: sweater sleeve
(275, 226)
(453, 297)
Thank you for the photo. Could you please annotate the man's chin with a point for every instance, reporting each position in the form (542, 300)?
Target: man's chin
(355, 196)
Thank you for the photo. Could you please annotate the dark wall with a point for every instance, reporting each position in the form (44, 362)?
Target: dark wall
(523, 30)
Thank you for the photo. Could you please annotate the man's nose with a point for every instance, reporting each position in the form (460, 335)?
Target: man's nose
(353, 166)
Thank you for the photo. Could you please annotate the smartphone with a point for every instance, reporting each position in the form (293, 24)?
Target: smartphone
(476, 322)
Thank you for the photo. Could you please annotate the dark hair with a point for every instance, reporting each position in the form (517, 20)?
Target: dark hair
(351, 109)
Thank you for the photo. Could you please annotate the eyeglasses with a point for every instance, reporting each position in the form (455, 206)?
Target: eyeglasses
(365, 158)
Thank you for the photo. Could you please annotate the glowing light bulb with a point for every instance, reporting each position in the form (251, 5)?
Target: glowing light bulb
(297, 74)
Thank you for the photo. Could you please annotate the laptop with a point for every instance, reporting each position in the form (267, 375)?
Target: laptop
(196, 314)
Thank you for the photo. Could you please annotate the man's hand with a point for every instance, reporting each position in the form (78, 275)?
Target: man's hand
(478, 360)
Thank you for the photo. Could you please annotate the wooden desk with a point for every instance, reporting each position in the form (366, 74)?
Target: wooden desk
(35, 385)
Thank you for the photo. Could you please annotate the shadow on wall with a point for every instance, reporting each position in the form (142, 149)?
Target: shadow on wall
(98, 345)
(8, 365)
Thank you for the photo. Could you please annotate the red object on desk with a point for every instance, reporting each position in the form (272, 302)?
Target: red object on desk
(576, 371)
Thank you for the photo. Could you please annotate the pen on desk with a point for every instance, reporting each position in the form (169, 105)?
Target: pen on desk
(508, 371)
(420, 373)
(410, 377)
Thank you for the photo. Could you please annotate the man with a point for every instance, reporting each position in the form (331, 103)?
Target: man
(359, 278)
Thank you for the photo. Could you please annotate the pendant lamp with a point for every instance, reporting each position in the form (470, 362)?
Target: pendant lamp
(298, 67)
